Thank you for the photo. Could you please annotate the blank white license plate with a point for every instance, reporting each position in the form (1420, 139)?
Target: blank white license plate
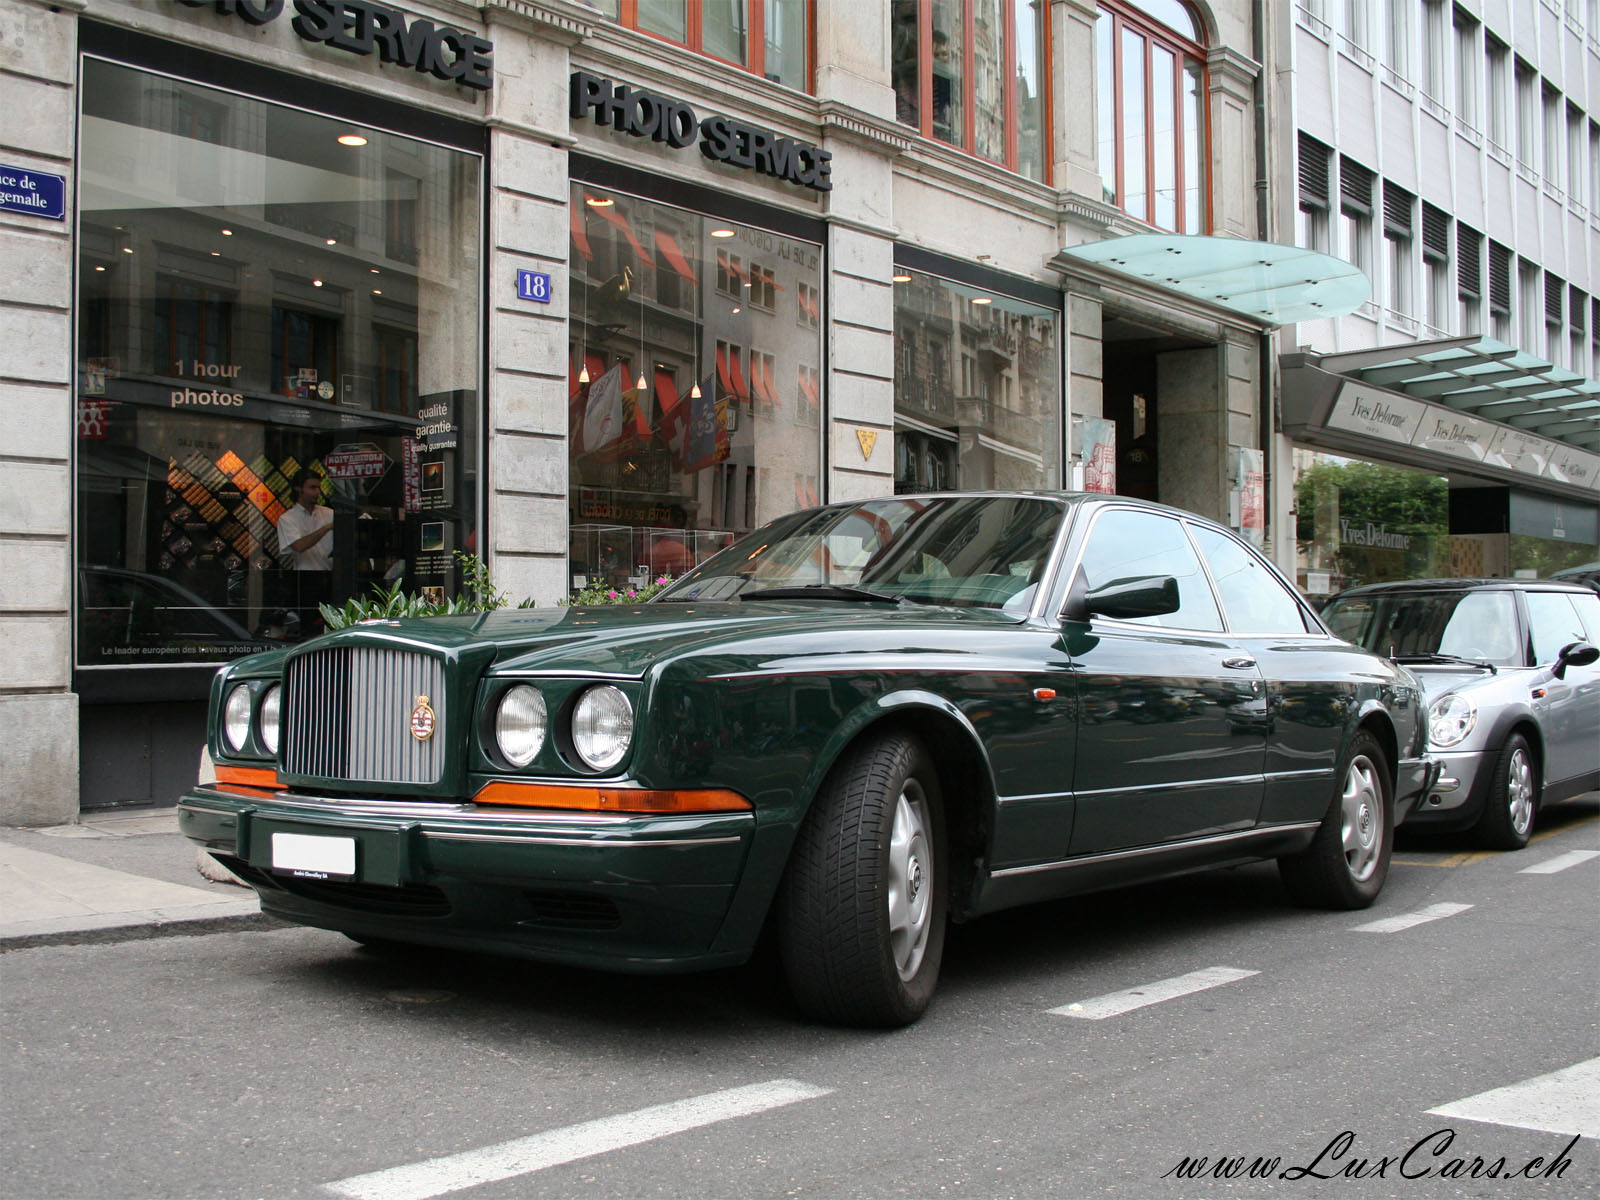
(307, 853)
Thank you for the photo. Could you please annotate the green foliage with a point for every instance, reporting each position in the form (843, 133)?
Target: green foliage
(598, 593)
(478, 594)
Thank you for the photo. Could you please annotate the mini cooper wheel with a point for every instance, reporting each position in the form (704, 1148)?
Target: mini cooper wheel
(1507, 820)
(1348, 860)
(861, 917)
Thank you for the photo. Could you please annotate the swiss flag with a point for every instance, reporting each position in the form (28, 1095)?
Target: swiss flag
(695, 429)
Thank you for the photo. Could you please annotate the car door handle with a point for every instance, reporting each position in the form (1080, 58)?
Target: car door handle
(1239, 662)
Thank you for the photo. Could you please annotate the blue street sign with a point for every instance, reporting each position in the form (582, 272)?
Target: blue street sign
(533, 285)
(35, 193)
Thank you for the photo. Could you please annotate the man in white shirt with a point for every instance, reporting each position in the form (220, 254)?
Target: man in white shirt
(305, 530)
(305, 535)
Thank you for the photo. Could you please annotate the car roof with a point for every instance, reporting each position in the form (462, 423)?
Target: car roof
(1463, 585)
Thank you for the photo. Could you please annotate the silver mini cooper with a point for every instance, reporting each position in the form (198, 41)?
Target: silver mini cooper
(1513, 691)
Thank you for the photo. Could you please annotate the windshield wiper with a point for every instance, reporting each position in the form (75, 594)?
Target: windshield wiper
(820, 591)
(1447, 658)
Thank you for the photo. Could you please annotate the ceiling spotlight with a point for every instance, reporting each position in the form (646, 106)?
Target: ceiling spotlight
(216, 254)
(333, 241)
(127, 249)
(377, 291)
(983, 300)
(902, 278)
(352, 139)
(99, 268)
(599, 201)
(735, 308)
(374, 270)
(722, 233)
(227, 233)
(316, 283)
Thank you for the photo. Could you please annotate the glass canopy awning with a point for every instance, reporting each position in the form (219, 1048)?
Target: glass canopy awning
(1263, 281)
(1487, 379)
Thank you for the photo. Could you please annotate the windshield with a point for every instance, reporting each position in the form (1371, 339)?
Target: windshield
(973, 551)
(1480, 626)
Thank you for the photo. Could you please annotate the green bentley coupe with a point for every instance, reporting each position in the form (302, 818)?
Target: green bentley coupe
(853, 726)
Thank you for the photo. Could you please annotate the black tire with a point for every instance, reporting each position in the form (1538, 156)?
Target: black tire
(1348, 860)
(861, 915)
(1506, 822)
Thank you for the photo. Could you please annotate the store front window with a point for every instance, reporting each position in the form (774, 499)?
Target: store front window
(278, 333)
(695, 397)
(1362, 522)
(977, 388)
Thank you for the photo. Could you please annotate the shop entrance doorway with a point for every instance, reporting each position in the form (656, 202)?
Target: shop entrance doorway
(1162, 391)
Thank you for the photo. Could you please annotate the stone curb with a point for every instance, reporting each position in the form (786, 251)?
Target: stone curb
(232, 916)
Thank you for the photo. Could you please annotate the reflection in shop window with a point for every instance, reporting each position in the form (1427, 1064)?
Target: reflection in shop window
(251, 289)
(1362, 522)
(993, 419)
(682, 433)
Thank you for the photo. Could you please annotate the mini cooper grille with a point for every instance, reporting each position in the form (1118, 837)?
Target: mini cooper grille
(348, 715)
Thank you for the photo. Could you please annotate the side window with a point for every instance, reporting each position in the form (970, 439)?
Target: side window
(1130, 545)
(1254, 599)
(1554, 623)
(1589, 609)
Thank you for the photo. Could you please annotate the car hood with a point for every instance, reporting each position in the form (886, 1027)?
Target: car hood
(1440, 680)
(631, 640)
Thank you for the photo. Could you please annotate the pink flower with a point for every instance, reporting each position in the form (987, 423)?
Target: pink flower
(613, 594)
(664, 579)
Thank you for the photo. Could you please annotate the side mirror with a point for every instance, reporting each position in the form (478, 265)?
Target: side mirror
(1127, 599)
(1575, 654)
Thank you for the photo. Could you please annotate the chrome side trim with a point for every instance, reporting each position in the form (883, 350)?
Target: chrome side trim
(1163, 848)
(577, 842)
(1179, 786)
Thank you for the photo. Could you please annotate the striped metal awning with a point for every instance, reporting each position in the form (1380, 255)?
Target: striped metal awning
(1487, 379)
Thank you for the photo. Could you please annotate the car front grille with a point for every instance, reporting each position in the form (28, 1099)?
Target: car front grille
(347, 715)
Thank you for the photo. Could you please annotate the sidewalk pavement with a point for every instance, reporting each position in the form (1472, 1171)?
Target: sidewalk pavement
(114, 876)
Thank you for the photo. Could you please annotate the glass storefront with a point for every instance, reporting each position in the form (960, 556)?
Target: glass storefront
(695, 396)
(279, 333)
(977, 388)
(1360, 522)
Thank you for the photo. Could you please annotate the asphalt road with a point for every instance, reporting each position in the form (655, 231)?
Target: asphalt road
(290, 1062)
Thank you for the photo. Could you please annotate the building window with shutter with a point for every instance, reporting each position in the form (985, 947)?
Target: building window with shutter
(1497, 55)
(1500, 290)
(1355, 213)
(1578, 307)
(1397, 217)
(1530, 302)
(1555, 295)
(1316, 163)
(1469, 277)
(1436, 267)
(1467, 70)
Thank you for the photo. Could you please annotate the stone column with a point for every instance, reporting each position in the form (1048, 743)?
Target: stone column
(1073, 95)
(528, 230)
(38, 710)
(1192, 430)
(1233, 143)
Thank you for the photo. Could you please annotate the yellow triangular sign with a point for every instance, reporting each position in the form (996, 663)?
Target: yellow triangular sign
(868, 439)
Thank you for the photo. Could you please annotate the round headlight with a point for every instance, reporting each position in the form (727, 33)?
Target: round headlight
(1451, 718)
(602, 727)
(519, 724)
(270, 705)
(236, 718)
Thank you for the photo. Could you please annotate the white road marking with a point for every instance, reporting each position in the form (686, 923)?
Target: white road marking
(1564, 1101)
(452, 1172)
(1422, 916)
(1560, 862)
(1114, 1004)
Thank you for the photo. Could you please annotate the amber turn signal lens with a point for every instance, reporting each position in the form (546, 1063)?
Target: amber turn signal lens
(612, 799)
(262, 777)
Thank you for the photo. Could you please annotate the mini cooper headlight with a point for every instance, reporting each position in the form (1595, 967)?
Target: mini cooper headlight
(602, 727)
(520, 723)
(1451, 718)
(270, 706)
(236, 718)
